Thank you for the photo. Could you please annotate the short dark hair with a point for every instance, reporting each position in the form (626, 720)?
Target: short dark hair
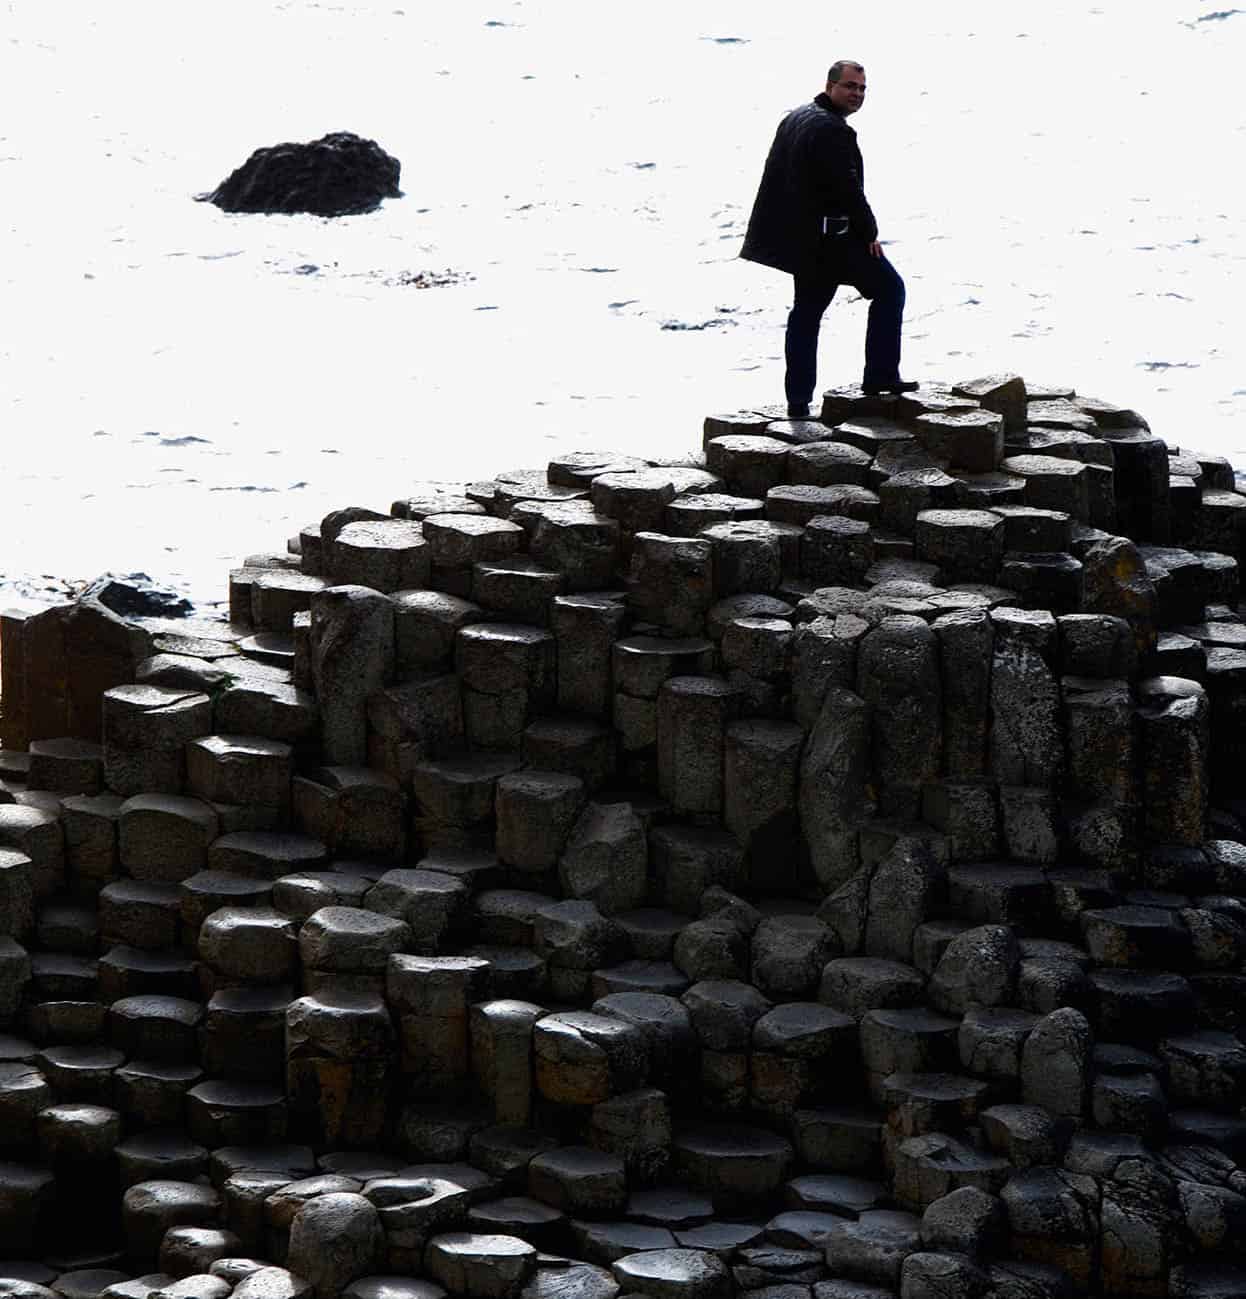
(837, 68)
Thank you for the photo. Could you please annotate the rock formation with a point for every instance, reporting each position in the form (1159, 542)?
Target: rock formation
(816, 867)
(338, 175)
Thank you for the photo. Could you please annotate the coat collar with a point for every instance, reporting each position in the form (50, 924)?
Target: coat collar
(823, 100)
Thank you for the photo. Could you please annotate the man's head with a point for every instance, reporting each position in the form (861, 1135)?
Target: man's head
(845, 85)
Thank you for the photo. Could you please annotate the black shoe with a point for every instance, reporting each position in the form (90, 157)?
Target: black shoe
(797, 410)
(896, 386)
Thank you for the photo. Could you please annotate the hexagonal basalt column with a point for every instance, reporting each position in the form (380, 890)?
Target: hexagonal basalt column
(508, 671)
(339, 1067)
(693, 715)
(967, 545)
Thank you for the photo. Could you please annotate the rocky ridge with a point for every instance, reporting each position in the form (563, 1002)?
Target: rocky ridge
(814, 867)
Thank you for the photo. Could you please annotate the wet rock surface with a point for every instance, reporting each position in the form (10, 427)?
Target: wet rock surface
(821, 874)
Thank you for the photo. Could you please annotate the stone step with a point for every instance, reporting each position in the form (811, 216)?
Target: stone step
(160, 1155)
(62, 926)
(1140, 1006)
(872, 1248)
(737, 1166)
(222, 1113)
(57, 976)
(918, 1103)
(80, 1073)
(126, 971)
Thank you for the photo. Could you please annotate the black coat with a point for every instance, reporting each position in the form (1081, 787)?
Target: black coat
(814, 170)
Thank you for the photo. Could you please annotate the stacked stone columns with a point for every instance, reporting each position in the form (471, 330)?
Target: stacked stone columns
(816, 867)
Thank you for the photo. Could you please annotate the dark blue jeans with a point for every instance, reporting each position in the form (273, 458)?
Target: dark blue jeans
(874, 278)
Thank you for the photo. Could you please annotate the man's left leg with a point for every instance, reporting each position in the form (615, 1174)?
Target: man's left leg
(875, 278)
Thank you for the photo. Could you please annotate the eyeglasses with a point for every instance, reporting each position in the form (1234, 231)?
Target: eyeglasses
(852, 85)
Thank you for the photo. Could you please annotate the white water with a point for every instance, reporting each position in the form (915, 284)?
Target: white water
(1061, 187)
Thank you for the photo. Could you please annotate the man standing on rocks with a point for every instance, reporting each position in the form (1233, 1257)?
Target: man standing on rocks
(811, 219)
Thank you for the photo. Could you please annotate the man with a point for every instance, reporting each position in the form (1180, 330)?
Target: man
(812, 220)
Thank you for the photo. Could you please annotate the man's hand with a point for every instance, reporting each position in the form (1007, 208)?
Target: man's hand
(876, 249)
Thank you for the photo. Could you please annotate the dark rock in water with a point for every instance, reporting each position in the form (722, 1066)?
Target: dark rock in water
(136, 595)
(337, 175)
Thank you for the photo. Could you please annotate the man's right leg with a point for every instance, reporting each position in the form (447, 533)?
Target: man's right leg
(812, 294)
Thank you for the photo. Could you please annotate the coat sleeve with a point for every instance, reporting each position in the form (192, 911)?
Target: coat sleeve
(836, 175)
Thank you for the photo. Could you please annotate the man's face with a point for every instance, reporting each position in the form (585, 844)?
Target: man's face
(848, 93)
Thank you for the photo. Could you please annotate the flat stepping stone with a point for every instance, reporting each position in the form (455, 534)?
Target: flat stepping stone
(77, 1133)
(733, 1164)
(560, 1278)
(518, 1215)
(240, 769)
(802, 1228)
(605, 1242)
(384, 554)
(140, 1288)
(86, 1283)
(392, 1287)
(766, 1265)
(18, 1288)
(873, 1248)
(932, 1102)
(849, 1197)
(58, 976)
(80, 1072)
(651, 932)
(799, 504)
(133, 972)
(208, 890)
(273, 1283)
(688, 516)
(579, 468)
(721, 1238)
(674, 1274)
(140, 913)
(164, 1155)
(220, 1112)
(479, 1265)
(151, 1094)
(1140, 1006)
(1136, 936)
(266, 854)
(579, 1180)
(153, 1027)
(669, 1206)
(660, 977)
(859, 984)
